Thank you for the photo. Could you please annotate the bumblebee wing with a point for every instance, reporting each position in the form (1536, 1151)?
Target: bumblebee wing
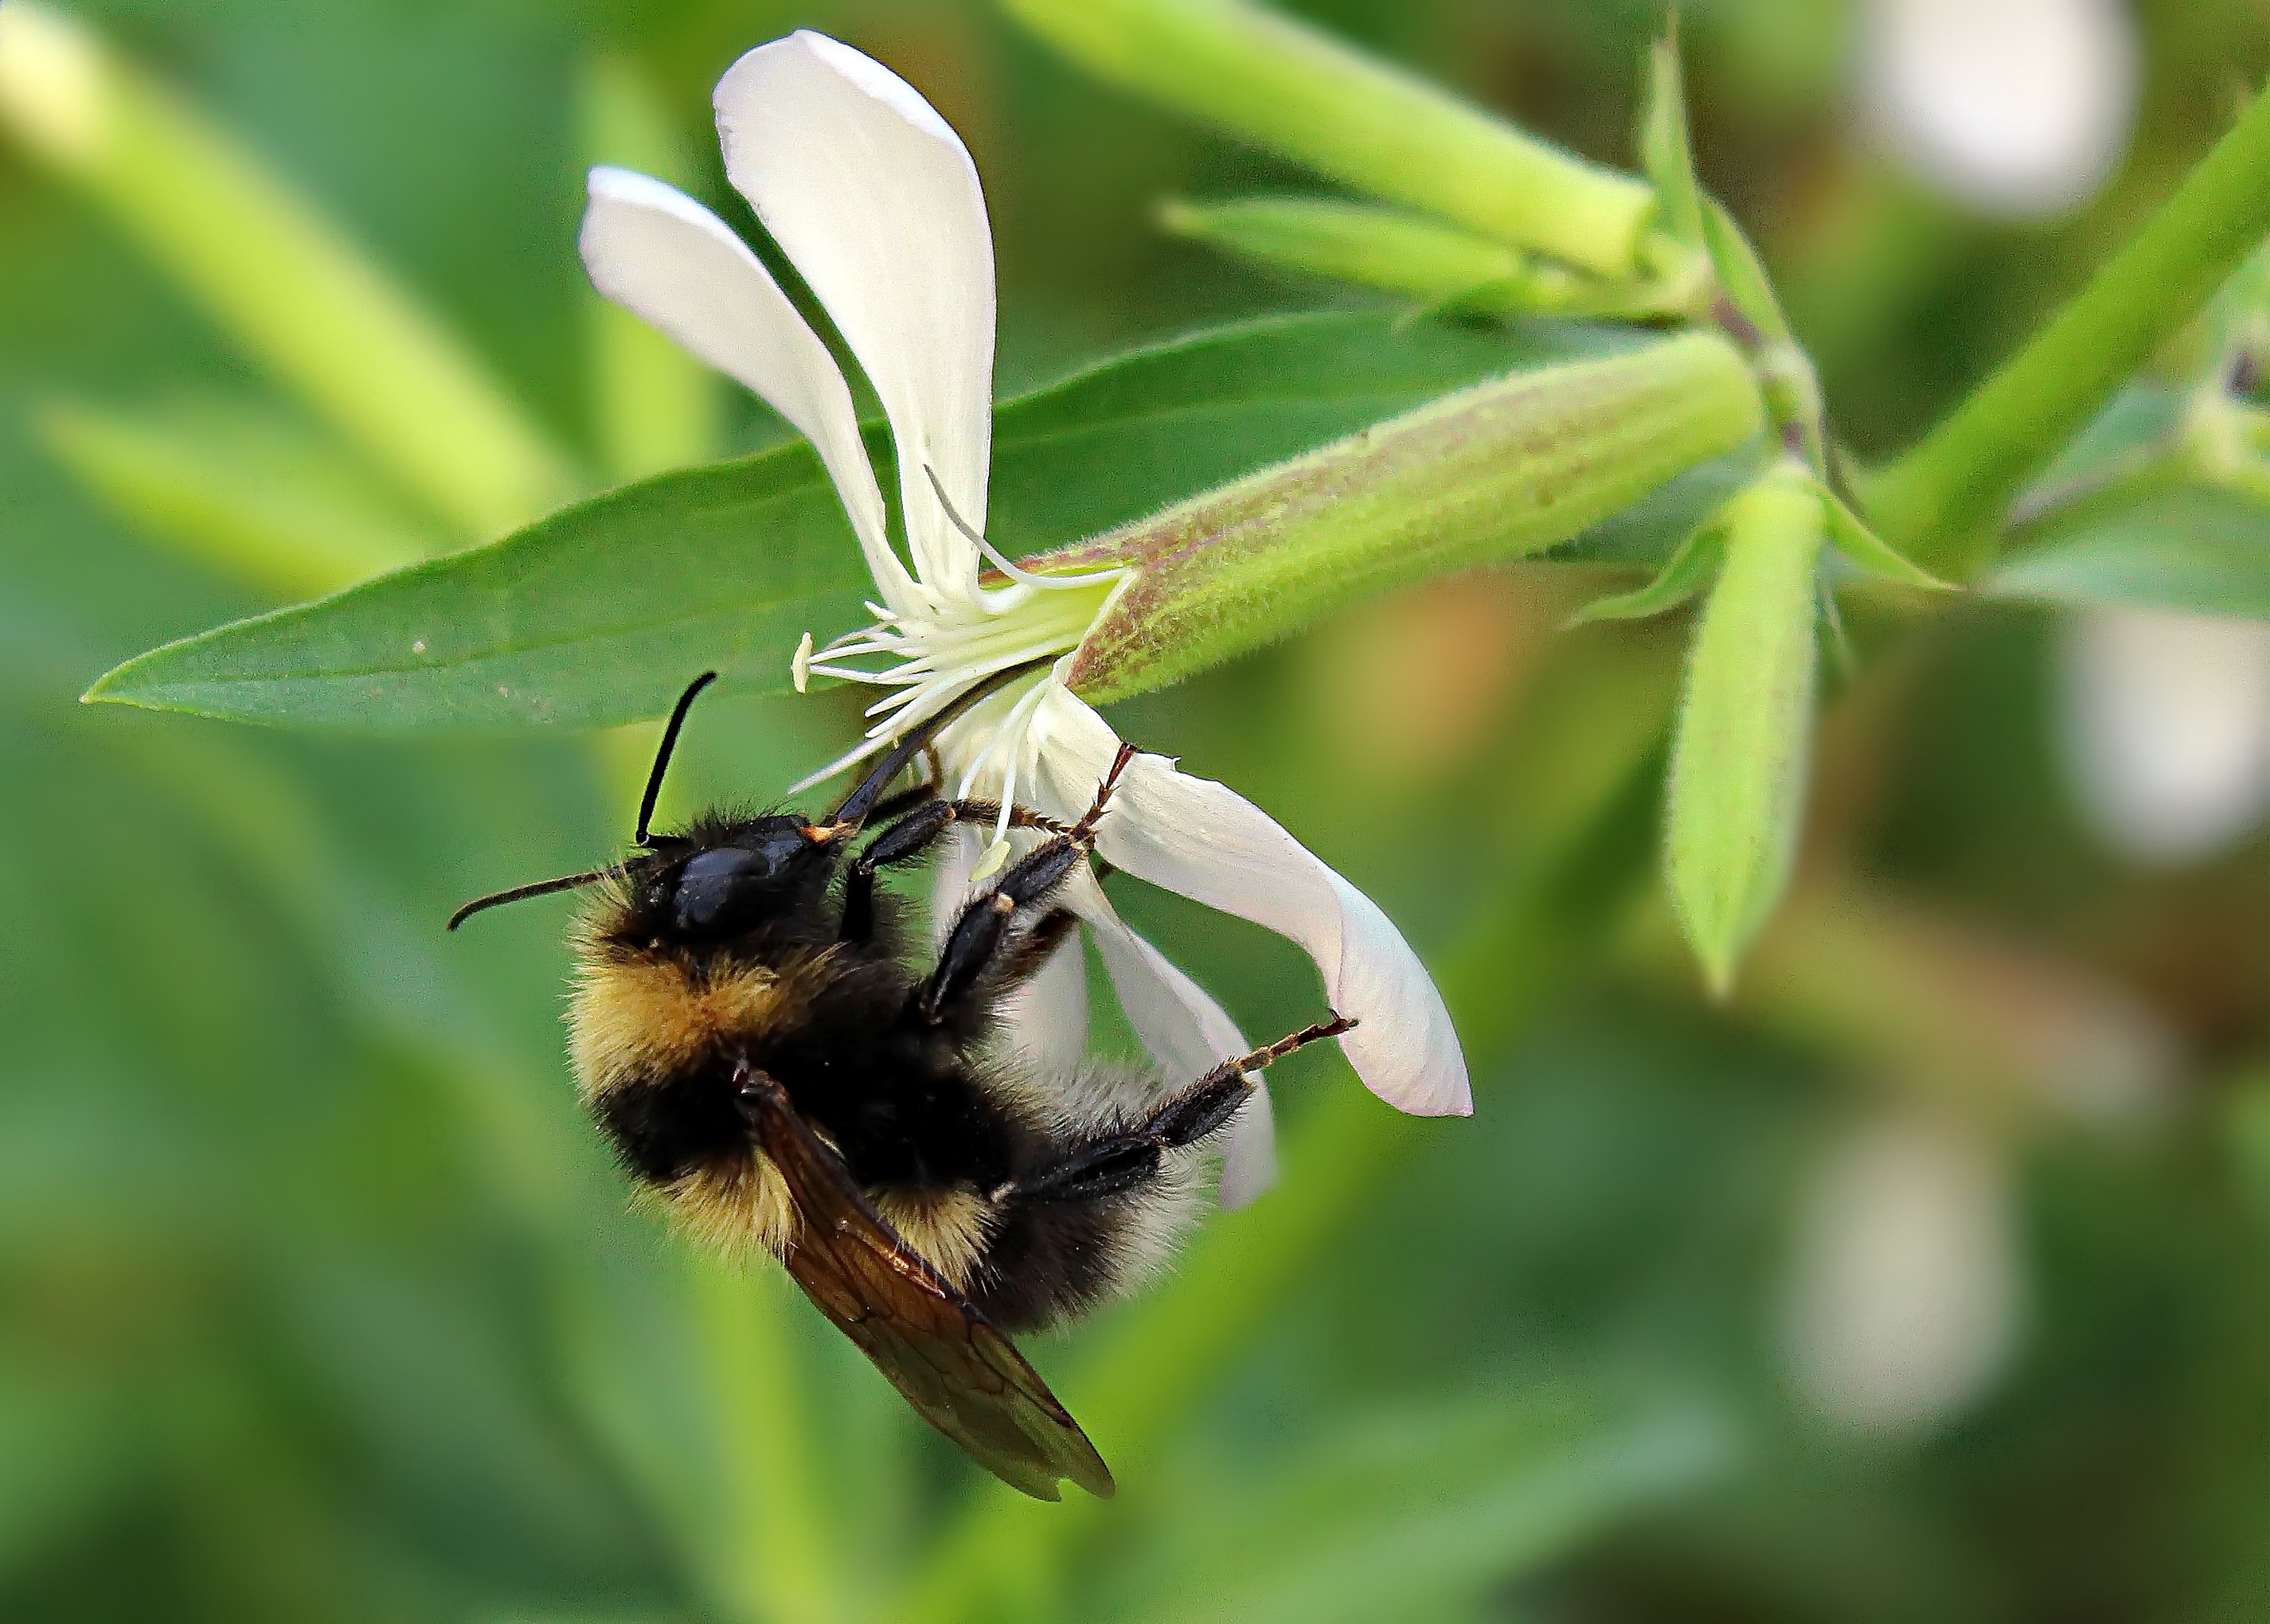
(964, 1376)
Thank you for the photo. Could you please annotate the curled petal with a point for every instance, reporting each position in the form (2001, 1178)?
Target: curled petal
(1185, 1030)
(678, 268)
(1196, 837)
(877, 203)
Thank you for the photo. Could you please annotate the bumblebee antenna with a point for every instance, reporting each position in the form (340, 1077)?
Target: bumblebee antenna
(570, 882)
(542, 887)
(662, 756)
(862, 800)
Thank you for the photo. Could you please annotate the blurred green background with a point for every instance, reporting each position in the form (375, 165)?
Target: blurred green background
(1924, 1281)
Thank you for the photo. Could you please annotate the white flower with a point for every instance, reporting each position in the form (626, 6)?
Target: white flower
(1906, 1295)
(2167, 729)
(2018, 108)
(874, 200)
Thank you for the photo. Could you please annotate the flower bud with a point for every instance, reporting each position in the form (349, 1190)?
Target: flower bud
(1497, 471)
(1399, 253)
(1282, 85)
(1739, 762)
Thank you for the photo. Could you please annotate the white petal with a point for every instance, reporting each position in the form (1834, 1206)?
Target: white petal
(1194, 836)
(677, 267)
(876, 202)
(1185, 1031)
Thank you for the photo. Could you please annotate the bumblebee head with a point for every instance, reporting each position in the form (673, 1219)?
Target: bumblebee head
(739, 876)
(723, 880)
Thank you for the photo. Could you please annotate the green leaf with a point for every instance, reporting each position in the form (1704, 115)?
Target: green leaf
(1665, 151)
(2194, 549)
(1737, 766)
(1691, 215)
(596, 614)
(1866, 551)
(1410, 1515)
(259, 497)
(2136, 429)
(1689, 570)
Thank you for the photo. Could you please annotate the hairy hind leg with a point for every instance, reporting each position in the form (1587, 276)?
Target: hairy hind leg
(1109, 1163)
(1102, 1205)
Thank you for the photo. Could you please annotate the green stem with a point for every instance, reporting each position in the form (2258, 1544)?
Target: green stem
(770, 1554)
(277, 278)
(1939, 502)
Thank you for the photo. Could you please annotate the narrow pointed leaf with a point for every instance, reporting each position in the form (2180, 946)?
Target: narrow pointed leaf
(1742, 275)
(1690, 569)
(1866, 551)
(597, 613)
(1665, 151)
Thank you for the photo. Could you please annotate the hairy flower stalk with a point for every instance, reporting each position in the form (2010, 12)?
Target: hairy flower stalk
(1501, 471)
(874, 200)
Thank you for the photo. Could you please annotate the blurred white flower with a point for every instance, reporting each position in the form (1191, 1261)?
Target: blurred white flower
(875, 201)
(1904, 1298)
(2018, 107)
(2167, 723)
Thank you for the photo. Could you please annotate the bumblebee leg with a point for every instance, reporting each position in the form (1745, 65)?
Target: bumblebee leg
(907, 840)
(980, 933)
(907, 800)
(983, 927)
(1113, 1163)
(1093, 1205)
(1036, 946)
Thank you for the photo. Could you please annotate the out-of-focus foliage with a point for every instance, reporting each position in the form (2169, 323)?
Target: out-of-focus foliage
(1923, 1282)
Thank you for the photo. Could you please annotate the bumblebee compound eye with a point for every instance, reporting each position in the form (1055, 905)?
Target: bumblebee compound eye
(715, 888)
(762, 868)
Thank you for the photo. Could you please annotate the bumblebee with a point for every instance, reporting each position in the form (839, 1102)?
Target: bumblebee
(750, 1033)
